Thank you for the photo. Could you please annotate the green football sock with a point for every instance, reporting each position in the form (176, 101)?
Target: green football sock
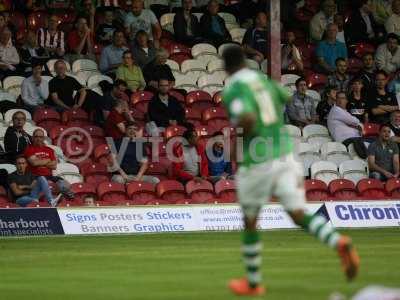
(319, 227)
(252, 256)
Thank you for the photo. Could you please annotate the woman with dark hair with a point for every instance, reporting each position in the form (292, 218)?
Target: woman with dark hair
(357, 105)
(131, 73)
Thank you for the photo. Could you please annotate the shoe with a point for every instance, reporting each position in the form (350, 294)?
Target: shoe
(241, 287)
(55, 201)
(349, 257)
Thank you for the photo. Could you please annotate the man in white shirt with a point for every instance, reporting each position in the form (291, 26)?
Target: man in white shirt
(387, 56)
(9, 57)
(320, 20)
(142, 19)
(34, 89)
(344, 127)
(392, 24)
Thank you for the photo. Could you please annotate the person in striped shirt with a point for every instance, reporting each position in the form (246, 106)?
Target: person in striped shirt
(52, 39)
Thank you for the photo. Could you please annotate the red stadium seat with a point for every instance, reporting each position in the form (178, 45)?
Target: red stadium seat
(67, 17)
(3, 196)
(200, 192)
(361, 49)
(19, 20)
(316, 190)
(193, 116)
(37, 20)
(138, 115)
(59, 130)
(217, 98)
(96, 133)
(343, 189)
(354, 65)
(170, 190)
(94, 173)
(111, 192)
(180, 57)
(102, 153)
(215, 117)
(203, 134)
(199, 100)
(174, 131)
(316, 81)
(141, 96)
(177, 95)
(83, 190)
(46, 118)
(371, 129)
(392, 187)
(141, 192)
(158, 170)
(226, 191)
(76, 117)
(371, 189)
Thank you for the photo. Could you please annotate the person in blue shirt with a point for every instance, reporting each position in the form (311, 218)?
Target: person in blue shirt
(329, 50)
(218, 167)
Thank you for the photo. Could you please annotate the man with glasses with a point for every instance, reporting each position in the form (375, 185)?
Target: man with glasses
(16, 139)
(42, 161)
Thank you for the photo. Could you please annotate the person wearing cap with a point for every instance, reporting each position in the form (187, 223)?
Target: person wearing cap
(387, 56)
(34, 89)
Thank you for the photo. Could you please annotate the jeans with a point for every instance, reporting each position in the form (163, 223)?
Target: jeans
(63, 186)
(41, 186)
(145, 178)
(377, 175)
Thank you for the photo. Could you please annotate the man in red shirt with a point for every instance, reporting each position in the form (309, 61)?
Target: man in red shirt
(42, 161)
(117, 119)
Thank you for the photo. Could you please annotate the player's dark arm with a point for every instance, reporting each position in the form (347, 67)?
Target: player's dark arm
(247, 122)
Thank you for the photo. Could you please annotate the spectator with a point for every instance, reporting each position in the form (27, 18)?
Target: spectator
(31, 51)
(131, 73)
(392, 24)
(192, 160)
(387, 55)
(115, 124)
(301, 109)
(111, 96)
(111, 56)
(255, 38)
(80, 7)
(213, 26)
(383, 156)
(80, 41)
(338, 19)
(16, 139)
(9, 58)
(395, 126)
(26, 187)
(186, 25)
(367, 73)
(319, 21)
(61, 89)
(381, 103)
(34, 89)
(88, 12)
(329, 50)
(143, 51)
(340, 79)
(157, 69)
(218, 167)
(105, 31)
(142, 19)
(345, 128)
(134, 162)
(381, 10)
(357, 105)
(10, 25)
(42, 161)
(165, 110)
(361, 26)
(291, 57)
(51, 38)
(324, 106)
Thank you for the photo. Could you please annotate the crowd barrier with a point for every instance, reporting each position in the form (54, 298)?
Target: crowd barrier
(187, 218)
